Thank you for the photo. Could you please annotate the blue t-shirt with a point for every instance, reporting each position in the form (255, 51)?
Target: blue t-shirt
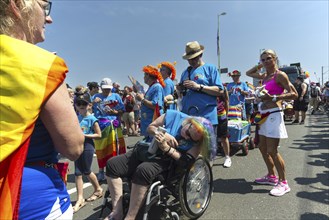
(236, 97)
(112, 101)
(87, 123)
(198, 103)
(156, 96)
(173, 124)
(169, 90)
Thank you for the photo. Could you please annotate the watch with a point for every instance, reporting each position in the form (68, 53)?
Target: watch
(274, 98)
(201, 88)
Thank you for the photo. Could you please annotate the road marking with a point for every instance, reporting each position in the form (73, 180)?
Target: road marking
(73, 190)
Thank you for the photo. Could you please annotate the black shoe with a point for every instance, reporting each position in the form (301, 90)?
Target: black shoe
(295, 122)
(301, 122)
(312, 112)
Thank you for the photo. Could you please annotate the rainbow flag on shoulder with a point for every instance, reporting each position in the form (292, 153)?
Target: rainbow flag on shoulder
(28, 76)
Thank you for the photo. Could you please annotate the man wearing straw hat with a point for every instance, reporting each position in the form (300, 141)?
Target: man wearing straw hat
(200, 84)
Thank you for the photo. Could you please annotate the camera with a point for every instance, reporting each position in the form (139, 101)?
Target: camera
(183, 89)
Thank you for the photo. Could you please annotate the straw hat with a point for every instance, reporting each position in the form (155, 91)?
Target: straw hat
(192, 50)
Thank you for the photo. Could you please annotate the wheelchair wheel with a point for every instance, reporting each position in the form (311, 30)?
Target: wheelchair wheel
(196, 188)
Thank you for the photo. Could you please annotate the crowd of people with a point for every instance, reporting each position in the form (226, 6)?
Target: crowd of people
(76, 123)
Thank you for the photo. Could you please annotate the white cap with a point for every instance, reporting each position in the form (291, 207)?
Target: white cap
(106, 83)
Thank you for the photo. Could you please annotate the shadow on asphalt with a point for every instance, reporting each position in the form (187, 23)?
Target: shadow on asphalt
(318, 139)
(232, 186)
(317, 216)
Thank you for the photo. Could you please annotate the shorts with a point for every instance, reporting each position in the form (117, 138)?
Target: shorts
(43, 195)
(300, 105)
(314, 101)
(137, 114)
(222, 128)
(83, 163)
(128, 117)
(141, 173)
(274, 126)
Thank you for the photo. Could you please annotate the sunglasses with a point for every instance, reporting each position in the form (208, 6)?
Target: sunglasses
(46, 7)
(81, 103)
(188, 134)
(267, 59)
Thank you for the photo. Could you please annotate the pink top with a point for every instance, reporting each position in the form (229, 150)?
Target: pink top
(272, 87)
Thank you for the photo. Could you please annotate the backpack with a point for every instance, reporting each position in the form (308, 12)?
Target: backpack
(314, 93)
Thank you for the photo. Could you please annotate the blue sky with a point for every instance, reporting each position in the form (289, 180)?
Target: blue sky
(115, 39)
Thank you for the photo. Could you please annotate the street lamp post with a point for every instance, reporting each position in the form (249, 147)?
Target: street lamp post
(261, 51)
(218, 44)
(322, 73)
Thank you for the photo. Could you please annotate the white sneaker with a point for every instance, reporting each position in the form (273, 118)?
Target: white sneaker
(227, 162)
(280, 189)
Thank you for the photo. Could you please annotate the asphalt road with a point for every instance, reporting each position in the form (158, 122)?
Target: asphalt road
(236, 196)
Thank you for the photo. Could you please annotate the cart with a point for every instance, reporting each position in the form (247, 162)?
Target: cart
(239, 135)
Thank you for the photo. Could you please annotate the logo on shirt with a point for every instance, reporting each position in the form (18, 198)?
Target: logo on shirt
(198, 76)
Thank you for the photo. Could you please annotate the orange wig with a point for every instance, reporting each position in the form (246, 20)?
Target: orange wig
(171, 67)
(154, 72)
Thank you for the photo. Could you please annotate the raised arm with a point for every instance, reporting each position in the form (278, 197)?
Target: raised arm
(62, 124)
(254, 72)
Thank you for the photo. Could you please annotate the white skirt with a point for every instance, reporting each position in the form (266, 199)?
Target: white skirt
(274, 126)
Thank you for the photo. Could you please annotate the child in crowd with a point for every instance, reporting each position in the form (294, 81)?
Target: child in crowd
(90, 128)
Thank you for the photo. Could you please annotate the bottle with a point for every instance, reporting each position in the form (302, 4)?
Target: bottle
(154, 145)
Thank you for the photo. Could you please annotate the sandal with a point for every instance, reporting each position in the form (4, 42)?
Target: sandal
(78, 206)
(95, 195)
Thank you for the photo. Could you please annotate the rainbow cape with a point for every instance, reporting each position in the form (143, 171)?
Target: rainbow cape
(28, 76)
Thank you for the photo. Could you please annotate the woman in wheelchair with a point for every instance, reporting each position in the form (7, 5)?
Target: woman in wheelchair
(185, 139)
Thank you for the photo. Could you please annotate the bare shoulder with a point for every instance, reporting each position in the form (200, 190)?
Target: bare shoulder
(282, 74)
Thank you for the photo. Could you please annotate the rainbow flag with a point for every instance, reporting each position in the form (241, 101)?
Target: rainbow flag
(28, 76)
(111, 144)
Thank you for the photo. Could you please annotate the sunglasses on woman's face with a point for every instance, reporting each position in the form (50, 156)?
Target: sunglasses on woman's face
(188, 134)
(267, 59)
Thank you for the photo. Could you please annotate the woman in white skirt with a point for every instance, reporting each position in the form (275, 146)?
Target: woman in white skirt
(276, 89)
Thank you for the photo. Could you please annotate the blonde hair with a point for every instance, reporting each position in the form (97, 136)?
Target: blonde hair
(272, 54)
(207, 143)
(8, 20)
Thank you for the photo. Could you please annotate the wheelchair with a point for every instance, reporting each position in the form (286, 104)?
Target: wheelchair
(174, 194)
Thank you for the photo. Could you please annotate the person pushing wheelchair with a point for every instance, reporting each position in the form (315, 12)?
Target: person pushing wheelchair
(186, 137)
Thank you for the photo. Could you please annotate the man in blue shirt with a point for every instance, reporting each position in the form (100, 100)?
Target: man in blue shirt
(200, 85)
(237, 91)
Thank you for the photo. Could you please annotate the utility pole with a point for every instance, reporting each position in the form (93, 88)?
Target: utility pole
(218, 40)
